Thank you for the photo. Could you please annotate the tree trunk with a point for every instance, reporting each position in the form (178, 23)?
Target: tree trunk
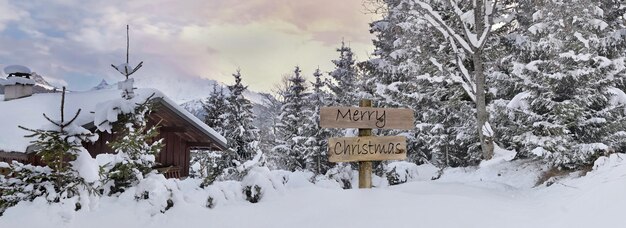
(486, 143)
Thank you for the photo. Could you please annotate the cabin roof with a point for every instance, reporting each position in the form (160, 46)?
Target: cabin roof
(27, 112)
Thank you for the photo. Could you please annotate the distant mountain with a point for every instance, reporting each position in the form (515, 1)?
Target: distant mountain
(195, 106)
(103, 85)
(41, 85)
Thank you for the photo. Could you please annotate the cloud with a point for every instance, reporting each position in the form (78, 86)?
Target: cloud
(9, 13)
(183, 42)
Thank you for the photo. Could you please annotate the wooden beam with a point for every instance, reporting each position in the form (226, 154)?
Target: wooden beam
(365, 167)
(201, 144)
(173, 129)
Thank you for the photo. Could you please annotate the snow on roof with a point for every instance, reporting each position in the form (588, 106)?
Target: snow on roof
(12, 69)
(190, 117)
(16, 81)
(27, 112)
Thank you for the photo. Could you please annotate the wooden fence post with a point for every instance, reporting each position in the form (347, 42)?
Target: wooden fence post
(365, 167)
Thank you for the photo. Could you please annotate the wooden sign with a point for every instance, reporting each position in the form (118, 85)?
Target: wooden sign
(364, 117)
(367, 148)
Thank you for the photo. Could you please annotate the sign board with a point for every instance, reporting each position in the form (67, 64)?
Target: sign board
(365, 117)
(367, 148)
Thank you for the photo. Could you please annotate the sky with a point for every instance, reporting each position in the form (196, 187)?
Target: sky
(183, 44)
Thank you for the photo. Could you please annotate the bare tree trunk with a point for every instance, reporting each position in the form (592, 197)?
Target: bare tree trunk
(486, 143)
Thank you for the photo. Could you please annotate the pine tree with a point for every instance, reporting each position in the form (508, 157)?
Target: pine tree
(291, 142)
(60, 148)
(136, 148)
(317, 143)
(416, 69)
(136, 145)
(215, 107)
(343, 80)
(569, 76)
(242, 135)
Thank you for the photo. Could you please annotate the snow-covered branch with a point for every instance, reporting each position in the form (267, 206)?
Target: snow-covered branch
(436, 19)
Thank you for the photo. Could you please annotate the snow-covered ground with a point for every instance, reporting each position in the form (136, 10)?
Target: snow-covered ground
(499, 194)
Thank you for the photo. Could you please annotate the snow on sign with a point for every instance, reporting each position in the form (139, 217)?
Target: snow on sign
(365, 117)
(368, 148)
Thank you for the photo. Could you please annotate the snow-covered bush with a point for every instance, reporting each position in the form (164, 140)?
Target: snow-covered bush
(202, 162)
(23, 182)
(343, 174)
(222, 192)
(161, 193)
(209, 166)
(258, 181)
(401, 172)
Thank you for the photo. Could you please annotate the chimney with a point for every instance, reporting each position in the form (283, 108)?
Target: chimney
(18, 83)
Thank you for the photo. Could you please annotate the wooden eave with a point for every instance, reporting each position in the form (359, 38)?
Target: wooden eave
(171, 119)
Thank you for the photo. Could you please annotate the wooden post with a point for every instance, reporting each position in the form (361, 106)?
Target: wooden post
(365, 167)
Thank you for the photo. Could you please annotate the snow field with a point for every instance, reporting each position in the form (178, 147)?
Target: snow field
(500, 194)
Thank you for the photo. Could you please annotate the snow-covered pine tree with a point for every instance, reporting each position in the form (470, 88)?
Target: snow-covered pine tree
(72, 171)
(569, 104)
(467, 27)
(242, 135)
(503, 84)
(417, 69)
(136, 145)
(294, 119)
(614, 46)
(211, 164)
(343, 79)
(215, 107)
(317, 144)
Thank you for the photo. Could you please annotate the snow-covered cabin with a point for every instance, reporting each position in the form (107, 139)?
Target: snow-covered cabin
(180, 130)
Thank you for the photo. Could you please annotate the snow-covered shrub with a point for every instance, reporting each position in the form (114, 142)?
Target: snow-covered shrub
(325, 182)
(223, 192)
(343, 174)
(212, 166)
(401, 172)
(258, 181)
(161, 193)
(23, 182)
(202, 162)
(135, 147)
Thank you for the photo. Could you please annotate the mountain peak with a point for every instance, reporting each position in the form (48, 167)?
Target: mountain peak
(102, 85)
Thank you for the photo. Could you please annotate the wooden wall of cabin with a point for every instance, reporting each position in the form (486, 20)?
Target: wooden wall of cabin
(174, 152)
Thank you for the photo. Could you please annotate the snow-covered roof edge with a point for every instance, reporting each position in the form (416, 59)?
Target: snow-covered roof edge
(169, 103)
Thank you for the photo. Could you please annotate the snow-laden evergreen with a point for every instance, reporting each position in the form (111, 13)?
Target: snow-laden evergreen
(294, 119)
(569, 60)
(71, 172)
(135, 147)
(238, 125)
(343, 81)
(215, 108)
(415, 67)
(317, 142)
